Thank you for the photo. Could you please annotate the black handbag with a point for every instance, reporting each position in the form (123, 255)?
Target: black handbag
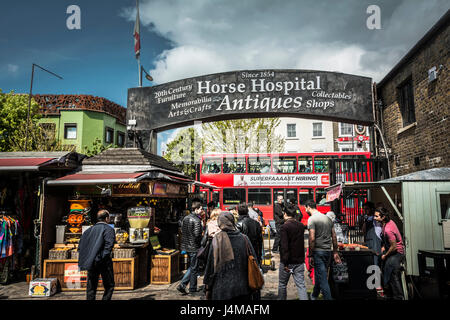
(202, 253)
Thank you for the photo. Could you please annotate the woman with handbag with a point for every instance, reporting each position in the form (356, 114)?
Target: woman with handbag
(227, 267)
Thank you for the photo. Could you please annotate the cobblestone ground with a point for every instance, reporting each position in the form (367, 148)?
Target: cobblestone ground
(19, 290)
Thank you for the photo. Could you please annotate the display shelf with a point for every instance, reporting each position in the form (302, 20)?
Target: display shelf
(125, 274)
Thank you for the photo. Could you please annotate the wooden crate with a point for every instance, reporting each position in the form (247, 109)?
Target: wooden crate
(164, 268)
(125, 274)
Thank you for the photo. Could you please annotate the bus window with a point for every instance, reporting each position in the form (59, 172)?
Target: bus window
(259, 196)
(291, 195)
(211, 165)
(305, 195)
(234, 165)
(305, 164)
(321, 197)
(321, 163)
(259, 165)
(276, 193)
(216, 197)
(233, 196)
(354, 166)
(284, 165)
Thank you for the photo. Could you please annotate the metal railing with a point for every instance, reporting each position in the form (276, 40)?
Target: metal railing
(349, 206)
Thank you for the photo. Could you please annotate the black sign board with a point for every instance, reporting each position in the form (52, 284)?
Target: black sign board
(252, 93)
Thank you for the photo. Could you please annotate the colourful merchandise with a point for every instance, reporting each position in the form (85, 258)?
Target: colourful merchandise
(8, 235)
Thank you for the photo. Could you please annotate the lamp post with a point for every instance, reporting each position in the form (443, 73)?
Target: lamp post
(29, 100)
(147, 76)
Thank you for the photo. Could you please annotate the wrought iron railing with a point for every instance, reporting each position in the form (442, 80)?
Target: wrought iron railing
(349, 207)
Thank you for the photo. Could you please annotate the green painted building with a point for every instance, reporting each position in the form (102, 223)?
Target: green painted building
(78, 120)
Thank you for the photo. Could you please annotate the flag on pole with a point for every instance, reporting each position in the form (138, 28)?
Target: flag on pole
(137, 39)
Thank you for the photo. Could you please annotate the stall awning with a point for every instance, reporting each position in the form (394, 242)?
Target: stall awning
(83, 178)
(23, 164)
(98, 178)
(169, 177)
(205, 185)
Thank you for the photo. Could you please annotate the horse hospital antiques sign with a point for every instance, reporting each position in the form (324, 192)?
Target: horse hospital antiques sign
(251, 94)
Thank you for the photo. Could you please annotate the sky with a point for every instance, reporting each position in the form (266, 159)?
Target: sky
(181, 39)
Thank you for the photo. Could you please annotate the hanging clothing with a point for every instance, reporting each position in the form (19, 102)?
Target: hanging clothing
(8, 236)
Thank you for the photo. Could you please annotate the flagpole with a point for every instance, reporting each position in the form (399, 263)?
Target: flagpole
(140, 71)
(137, 26)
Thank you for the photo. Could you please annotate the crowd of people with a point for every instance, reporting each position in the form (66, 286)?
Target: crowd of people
(218, 244)
(220, 250)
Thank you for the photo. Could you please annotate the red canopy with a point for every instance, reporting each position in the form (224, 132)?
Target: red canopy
(23, 164)
(97, 178)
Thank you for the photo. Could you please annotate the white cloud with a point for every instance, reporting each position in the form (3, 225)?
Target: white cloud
(219, 36)
(12, 68)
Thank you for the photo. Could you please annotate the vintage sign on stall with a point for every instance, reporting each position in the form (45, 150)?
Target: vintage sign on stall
(169, 189)
(132, 189)
(73, 275)
(334, 192)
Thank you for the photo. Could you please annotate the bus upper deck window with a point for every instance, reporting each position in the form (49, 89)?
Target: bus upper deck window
(211, 165)
(305, 164)
(258, 165)
(284, 165)
(234, 165)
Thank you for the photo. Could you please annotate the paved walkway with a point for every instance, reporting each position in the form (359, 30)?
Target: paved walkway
(19, 291)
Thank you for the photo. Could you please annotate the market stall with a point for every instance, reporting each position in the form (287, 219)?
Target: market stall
(419, 203)
(358, 260)
(146, 198)
(21, 180)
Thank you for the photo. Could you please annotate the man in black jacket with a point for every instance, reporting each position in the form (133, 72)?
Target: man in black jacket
(252, 229)
(191, 230)
(292, 254)
(95, 249)
(278, 210)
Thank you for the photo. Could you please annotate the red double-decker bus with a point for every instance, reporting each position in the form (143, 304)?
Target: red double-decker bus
(260, 178)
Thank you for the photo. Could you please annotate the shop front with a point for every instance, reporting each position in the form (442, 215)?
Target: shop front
(144, 208)
(21, 179)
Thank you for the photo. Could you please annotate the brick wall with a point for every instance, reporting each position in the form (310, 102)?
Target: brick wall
(429, 139)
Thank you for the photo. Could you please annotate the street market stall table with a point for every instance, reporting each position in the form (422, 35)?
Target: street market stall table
(358, 262)
(70, 279)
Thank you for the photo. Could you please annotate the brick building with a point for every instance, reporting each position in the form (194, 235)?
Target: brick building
(413, 105)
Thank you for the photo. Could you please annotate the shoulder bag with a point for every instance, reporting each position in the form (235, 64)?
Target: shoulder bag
(255, 277)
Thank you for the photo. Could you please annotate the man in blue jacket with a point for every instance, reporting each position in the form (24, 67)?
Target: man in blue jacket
(95, 248)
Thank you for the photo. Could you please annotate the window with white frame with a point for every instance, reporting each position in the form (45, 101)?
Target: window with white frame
(317, 129)
(345, 130)
(345, 147)
(70, 131)
(291, 130)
